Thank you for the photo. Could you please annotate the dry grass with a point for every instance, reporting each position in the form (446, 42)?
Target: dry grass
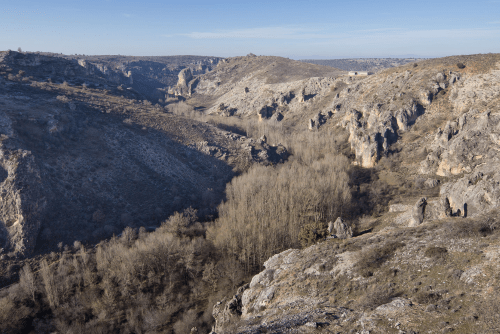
(373, 258)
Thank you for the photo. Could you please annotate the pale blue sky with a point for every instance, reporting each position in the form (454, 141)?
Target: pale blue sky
(295, 29)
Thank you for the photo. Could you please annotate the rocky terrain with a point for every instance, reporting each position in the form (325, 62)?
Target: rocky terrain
(430, 126)
(82, 157)
(153, 77)
(438, 277)
(400, 234)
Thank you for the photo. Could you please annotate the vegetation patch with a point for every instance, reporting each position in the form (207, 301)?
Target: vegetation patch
(373, 258)
(436, 252)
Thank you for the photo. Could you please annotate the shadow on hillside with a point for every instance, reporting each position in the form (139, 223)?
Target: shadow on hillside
(309, 96)
(103, 172)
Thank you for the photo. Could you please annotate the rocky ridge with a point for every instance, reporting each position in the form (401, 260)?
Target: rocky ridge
(153, 77)
(81, 162)
(427, 273)
(438, 119)
(363, 64)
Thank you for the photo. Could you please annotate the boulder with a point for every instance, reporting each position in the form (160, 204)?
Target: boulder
(226, 312)
(311, 125)
(278, 117)
(342, 230)
(302, 95)
(185, 76)
(331, 227)
(445, 207)
(431, 183)
(418, 211)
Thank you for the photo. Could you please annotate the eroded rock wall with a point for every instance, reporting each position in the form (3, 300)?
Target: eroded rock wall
(22, 201)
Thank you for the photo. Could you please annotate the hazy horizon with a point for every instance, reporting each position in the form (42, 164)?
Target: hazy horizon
(293, 29)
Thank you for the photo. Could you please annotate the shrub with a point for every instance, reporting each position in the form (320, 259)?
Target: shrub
(376, 297)
(311, 233)
(62, 98)
(435, 252)
(373, 258)
(427, 297)
(471, 228)
(460, 65)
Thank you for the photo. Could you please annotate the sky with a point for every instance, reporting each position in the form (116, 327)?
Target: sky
(295, 29)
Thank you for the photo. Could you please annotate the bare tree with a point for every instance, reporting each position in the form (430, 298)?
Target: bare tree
(28, 281)
(50, 284)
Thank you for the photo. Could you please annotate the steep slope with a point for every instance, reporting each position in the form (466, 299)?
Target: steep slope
(443, 272)
(150, 76)
(425, 144)
(81, 163)
(268, 86)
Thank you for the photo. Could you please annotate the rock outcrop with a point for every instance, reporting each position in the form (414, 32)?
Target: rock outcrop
(82, 161)
(226, 312)
(418, 212)
(185, 76)
(23, 201)
(326, 288)
(342, 230)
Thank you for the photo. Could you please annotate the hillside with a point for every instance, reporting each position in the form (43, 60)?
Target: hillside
(82, 157)
(254, 81)
(362, 64)
(150, 76)
(306, 200)
(425, 137)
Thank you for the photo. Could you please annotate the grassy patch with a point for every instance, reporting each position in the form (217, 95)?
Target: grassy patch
(372, 259)
(436, 252)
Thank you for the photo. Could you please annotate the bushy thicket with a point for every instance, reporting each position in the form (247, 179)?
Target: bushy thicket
(137, 283)
(167, 281)
(266, 208)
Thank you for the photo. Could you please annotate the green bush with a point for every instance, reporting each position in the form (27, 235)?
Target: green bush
(311, 233)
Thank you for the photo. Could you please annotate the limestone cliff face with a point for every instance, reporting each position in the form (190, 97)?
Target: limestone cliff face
(376, 110)
(23, 201)
(184, 77)
(444, 121)
(75, 160)
(326, 288)
(118, 76)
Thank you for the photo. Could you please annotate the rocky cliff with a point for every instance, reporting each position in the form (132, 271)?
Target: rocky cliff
(433, 124)
(376, 110)
(385, 282)
(155, 78)
(81, 157)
